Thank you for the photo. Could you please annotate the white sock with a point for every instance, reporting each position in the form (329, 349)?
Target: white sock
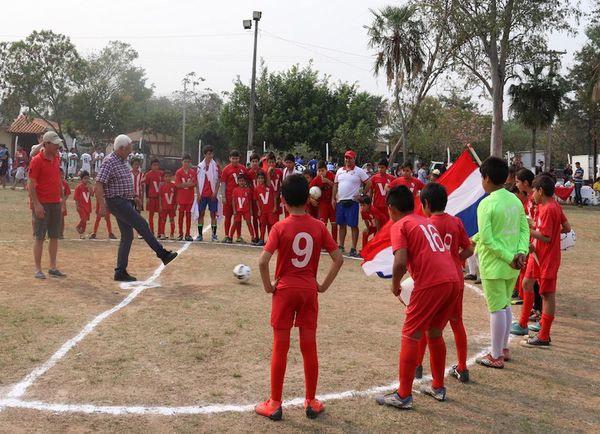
(498, 329)
(508, 311)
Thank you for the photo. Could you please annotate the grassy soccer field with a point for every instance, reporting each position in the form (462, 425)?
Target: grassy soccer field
(193, 341)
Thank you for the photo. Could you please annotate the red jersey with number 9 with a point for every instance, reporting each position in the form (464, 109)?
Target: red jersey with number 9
(298, 240)
(429, 261)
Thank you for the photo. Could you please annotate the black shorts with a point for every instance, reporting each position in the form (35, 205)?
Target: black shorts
(50, 223)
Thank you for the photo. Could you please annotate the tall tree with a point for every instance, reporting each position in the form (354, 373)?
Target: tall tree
(414, 48)
(502, 35)
(536, 100)
(41, 72)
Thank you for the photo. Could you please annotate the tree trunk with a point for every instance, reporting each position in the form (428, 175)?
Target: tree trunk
(533, 157)
(404, 137)
(548, 157)
(497, 113)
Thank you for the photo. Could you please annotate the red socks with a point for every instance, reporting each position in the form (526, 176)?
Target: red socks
(546, 323)
(281, 345)
(250, 229)
(334, 232)
(528, 299)
(408, 363)
(422, 348)
(188, 223)
(227, 224)
(460, 338)
(161, 224)
(308, 347)
(151, 221)
(180, 221)
(437, 357)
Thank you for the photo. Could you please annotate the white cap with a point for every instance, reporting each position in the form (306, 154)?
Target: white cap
(121, 141)
(52, 137)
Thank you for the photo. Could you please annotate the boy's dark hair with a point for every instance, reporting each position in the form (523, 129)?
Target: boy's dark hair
(545, 183)
(383, 162)
(307, 172)
(295, 190)
(83, 174)
(435, 196)
(271, 156)
(186, 157)
(364, 199)
(136, 160)
(401, 198)
(289, 157)
(168, 173)
(242, 176)
(154, 160)
(525, 175)
(254, 157)
(406, 164)
(208, 148)
(235, 153)
(322, 164)
(496, 169)
(261, 173)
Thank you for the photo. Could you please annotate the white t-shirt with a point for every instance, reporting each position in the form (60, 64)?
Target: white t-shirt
(349, 182)
(86, 159)
(98, 157)
(73, 162)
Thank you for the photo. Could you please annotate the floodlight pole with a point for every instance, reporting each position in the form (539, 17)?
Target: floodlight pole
(256, 15)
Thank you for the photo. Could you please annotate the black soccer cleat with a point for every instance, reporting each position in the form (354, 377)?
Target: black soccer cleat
(168, 256)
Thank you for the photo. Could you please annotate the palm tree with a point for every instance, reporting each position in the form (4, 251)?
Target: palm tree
(397, 35)
(536, 101)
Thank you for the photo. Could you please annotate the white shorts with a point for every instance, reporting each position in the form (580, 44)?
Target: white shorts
(20, 173)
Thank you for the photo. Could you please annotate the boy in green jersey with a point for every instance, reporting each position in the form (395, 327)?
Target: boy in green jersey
(502, 245)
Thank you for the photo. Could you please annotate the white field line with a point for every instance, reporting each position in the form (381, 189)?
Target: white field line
(202, 409)
(15, 402)
(21, 387)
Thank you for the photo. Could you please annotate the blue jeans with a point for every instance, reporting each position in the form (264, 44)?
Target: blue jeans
(578, 199)
(129, 219)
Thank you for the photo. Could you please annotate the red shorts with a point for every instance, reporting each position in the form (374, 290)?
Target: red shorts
(167, 213)
(83, 216)
(153, 204)
(254, 210)
(185, 207)
(295, 307)
(547, 286)
(532, 272)
(241, 215)
(269, 219)
(430, 307)
(458, 308)
(227, 207)
(326, 212)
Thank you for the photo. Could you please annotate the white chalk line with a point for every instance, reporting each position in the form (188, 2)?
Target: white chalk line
(21, 387)
(15, 402)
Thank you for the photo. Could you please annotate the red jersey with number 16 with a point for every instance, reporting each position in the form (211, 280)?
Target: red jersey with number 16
(429, 262)
(453, 233)
(298, 241)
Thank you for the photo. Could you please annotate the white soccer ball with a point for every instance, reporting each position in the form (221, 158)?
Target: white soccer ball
(242, 273)
(315, 192)
(567, 241)
(407, 288)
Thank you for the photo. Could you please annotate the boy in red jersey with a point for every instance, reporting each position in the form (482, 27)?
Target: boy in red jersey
(298, 241)
(66, 194)
(83, 202)
(252, 173)
(372, 217)
(312, 206)
(241, 198)
(97, 223)
(325, 181)
(209, 174)
(379, 185)
(154, 177)
(274, 179)
(185, 181)
(434, 199)
(138, 180)
(544, 261)
(229, 178)
(418, 247)
(264, 196)
(407, 179)
(167, 201)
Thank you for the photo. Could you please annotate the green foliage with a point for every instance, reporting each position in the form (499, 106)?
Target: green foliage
(40, 72)
(296, 106)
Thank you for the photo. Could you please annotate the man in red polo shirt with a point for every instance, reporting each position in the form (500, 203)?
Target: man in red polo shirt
(45, 192)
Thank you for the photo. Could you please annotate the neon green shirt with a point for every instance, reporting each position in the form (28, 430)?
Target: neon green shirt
(503, 233)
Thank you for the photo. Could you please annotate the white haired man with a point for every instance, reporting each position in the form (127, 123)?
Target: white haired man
(114, 191)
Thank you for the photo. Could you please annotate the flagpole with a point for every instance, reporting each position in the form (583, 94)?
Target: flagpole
(199, 151)
(327, 151)
(474, 154)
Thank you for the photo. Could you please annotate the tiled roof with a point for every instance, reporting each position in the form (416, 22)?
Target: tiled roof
(25, 125)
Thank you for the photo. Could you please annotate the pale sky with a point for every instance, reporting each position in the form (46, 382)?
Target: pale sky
(179, 36)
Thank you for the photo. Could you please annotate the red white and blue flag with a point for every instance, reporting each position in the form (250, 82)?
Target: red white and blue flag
(463, 184)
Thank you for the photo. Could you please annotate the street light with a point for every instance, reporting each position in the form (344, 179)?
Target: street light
(256, 16)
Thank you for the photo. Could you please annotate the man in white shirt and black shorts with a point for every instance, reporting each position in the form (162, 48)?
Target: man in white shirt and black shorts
(346, 189)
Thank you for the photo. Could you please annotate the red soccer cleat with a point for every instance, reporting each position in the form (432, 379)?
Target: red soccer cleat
(270, 409)
(313, 408)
